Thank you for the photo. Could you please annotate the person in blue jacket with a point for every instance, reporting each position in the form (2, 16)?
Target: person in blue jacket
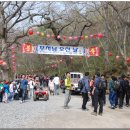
(23, 87)
(85, 90)
(98, 95)
(112, 92)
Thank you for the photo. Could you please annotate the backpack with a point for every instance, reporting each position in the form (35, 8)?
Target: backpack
(80, 84)
(100, 86)
(91, 84)
(116, 85)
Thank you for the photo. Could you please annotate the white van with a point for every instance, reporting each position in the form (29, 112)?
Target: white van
(75, 77)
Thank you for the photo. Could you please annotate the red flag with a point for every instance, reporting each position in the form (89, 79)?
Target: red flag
(27, 48)
(94, 51)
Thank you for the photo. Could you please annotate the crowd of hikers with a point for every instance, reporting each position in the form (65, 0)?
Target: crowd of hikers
(95, 88)
(21, 87)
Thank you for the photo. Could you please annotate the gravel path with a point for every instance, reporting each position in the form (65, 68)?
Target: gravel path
(50, 114)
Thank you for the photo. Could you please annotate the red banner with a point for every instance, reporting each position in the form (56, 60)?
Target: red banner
(94, 51)
(27, 48)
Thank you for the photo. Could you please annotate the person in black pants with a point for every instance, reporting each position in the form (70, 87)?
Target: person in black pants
(1, 96)
(98, 95)
(117, 94)
(104, 89)
(126, 91)
(85, 90)
(122, 91)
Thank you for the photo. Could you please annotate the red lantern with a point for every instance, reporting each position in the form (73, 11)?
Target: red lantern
(53, 36)
(82, 37)
(13, 56)
(110, 54)
(70, 38)
(13, 60)
(48, 36)
(1, 61)
(12, 47)
(38, 33)
(128, 59)
(117, 57)
(58, 36)
(30, 31)
(100, 35)
(55, 65)
(91, 36)
(75, 38)
(4, 63)
(95, 35)
(64, 37)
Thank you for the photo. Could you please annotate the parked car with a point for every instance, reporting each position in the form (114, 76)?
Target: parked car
(75, 77)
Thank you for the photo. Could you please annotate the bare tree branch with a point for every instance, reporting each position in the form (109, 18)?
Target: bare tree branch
(17, 10)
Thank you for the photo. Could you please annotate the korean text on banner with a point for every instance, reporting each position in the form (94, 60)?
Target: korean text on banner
(60, 50)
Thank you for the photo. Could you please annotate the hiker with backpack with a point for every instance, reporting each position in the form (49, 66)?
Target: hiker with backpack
(85, 90)
(104, 88)
(126, 92)
(113, 86)
(122, 91)
(98, 95)
(117, 92)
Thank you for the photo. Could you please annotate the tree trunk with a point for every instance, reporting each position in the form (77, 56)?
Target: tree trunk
(4, 69)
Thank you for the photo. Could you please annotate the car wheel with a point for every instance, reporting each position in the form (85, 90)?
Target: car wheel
(48, 97)
(45, 97)
(34, 97)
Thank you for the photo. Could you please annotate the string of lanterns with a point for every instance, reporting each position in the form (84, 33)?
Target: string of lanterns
(70, 38)
(13, 59)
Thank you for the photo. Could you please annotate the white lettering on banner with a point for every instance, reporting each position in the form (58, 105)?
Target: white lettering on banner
(60, 50)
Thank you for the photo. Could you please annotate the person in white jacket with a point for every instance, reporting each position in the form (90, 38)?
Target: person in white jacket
(51, 85)
(56, 84)
(11, 90)
(31, 84)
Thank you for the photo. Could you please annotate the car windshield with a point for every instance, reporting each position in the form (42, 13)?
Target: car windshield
(75, 75)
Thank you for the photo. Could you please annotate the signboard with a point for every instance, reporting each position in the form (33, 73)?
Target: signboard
(27, 48)
(60, 50)
(93, 51)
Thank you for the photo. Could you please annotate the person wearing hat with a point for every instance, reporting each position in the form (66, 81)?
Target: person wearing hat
(6, 91)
